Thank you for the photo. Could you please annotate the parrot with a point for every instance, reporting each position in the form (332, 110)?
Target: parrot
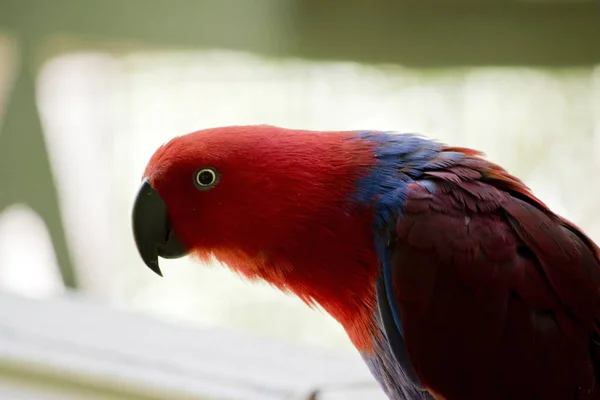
(451, 279)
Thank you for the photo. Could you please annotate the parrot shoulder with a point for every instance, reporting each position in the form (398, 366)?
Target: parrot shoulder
(490, 281)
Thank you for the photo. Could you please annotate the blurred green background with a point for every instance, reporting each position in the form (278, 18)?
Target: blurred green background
(89, 89)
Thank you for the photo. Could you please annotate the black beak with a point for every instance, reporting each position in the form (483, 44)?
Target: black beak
(152, 229)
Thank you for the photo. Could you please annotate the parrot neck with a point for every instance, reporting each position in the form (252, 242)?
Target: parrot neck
(338, 273)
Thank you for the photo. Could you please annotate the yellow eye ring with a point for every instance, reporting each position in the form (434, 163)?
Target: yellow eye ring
(206, 178)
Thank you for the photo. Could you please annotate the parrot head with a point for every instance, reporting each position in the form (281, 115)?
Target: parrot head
(270, 203)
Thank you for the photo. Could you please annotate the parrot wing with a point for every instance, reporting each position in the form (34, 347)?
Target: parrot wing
(488, 291)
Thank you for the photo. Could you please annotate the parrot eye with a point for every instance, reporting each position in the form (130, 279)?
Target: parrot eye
(206, 178)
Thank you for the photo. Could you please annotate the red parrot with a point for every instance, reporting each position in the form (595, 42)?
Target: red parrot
(449, 276)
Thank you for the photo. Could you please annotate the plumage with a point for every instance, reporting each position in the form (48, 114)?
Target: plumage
(450, 277)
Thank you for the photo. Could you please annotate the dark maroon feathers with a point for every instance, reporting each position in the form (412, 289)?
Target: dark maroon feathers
(499, 296)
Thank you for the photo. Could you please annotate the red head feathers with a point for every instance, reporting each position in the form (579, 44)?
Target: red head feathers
(274, 204)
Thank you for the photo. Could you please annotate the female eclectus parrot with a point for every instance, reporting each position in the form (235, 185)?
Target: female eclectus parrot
(449, 276)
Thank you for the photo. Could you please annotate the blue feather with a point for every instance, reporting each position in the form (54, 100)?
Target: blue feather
(401, 159)
(386, 187)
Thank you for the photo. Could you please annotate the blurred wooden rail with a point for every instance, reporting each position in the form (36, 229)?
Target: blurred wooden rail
(72, 348)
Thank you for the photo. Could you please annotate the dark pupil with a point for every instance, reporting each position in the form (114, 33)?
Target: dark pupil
(205, 178)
